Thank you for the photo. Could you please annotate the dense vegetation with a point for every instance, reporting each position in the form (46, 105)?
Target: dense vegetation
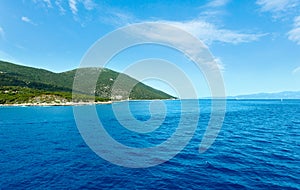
(20, 84)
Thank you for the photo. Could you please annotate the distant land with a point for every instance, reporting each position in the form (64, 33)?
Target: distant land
(28, 85)
(278, 95)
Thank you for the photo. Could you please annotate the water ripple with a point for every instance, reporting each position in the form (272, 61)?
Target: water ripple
(257, 148)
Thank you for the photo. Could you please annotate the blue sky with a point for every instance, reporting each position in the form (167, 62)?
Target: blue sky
(256, 43)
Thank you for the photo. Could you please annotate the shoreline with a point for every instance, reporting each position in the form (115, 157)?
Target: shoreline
(54, 104)
(71, 103)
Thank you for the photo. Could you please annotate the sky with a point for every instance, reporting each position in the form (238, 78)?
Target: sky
(255, 43)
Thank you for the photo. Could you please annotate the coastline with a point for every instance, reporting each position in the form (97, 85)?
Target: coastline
(73, 103)
(54, 104)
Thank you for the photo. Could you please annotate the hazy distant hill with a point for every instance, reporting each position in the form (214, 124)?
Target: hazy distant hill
(20, 84)
(279, 95)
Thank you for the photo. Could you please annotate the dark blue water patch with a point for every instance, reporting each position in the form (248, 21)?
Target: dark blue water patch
(257, 148)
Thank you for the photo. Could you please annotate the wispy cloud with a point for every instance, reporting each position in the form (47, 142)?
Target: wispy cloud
(43, 3)
(296, 70)
(210, 33)
(220, 64)
(118, 18)
(28, 20)
(81, 10)
(294, 34)
(73, 6)
(58, 3)
(217, 3)
(48, 2)
(213, 9)
(89, 4)
(164, 33)
(206, 31)
(277, 5)
(285, 9)
(25, 19)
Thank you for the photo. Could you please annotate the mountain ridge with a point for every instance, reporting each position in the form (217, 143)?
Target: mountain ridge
(19, 84)
(271, 95)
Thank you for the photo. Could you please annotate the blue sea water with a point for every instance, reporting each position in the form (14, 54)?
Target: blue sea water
(258, 147)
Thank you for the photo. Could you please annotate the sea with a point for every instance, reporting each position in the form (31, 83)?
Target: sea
(257, 147)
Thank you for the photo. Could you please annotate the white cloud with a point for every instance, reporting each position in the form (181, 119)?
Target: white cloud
(217, 3)
(209, 32)
(73, 6)
(25, 19)
(220, 64)
(28, 20)
(284, 9)
(296, 70)
(58, 3)
(43, 3)
(62, 4)
(294, 34)
(214, 9)
(109, 15)
(277, 5)
(89, 4)
(183, 42)
(48, 2)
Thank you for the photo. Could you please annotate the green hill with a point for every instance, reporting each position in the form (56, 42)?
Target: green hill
(21, 84)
